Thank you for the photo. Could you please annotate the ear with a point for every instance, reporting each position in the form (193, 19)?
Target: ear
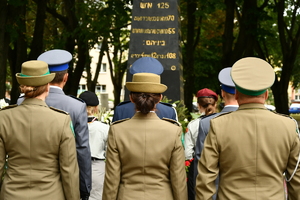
(161, 97)
(130, 98)
(266, 95)
(236, 96)
(222, 93)
(66, 77)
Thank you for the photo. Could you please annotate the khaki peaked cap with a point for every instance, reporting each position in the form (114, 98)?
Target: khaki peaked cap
(34, 73)
(252, 76)
(146, 82)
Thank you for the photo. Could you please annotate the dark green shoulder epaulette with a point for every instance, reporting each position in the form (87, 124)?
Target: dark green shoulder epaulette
(172, 121)
(119, 121)
(10, 106)
(58, 110)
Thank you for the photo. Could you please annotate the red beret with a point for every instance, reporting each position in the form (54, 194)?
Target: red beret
(207, 93)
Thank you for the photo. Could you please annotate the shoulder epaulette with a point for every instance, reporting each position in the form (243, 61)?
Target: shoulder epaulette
(119, 121)
(10, 106)
(58, 110)
(124, 102)
(222, 114)
(166, 104)
(76, 98)
(172, 121)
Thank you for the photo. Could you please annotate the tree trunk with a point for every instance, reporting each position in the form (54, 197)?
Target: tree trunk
(3, 47)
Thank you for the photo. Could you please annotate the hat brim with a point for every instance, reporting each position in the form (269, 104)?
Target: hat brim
(35, 80)
(146, 87)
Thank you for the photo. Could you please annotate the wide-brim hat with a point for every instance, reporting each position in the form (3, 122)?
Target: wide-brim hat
(34, 73)
(146, 82)
(252, 76)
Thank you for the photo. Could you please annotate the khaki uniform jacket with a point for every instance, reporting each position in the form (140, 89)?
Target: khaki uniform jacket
(42, 161)
(250, 148)
(145, 160)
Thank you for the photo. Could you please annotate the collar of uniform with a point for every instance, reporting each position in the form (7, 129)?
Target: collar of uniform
(252, 106)
(149, 115)
(34, 101)
(54, 89)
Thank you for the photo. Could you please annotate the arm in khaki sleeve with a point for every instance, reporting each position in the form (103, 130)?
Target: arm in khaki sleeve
(2, 160)
(177, 170)
(112, 168)
(68, 163)
(293, 185)
(208, 168)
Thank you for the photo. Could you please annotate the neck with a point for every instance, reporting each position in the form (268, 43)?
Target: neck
(61, 85)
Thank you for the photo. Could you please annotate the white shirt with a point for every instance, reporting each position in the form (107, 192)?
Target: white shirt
(98, 133)
(190, 138)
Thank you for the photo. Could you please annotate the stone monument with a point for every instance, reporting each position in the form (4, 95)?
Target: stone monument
(155, 32)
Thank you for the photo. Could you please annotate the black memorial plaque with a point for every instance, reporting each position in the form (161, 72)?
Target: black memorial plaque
(155, 32)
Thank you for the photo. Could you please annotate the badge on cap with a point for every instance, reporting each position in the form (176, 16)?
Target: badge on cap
(252, 76)
(146, 65)
(57, 59)
(226, 81)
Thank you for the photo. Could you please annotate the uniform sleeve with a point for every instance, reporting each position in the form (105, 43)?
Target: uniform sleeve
(83, 151)
(208, 168)
(116, 116)
(177, 170)
(293, 185)
(199, 146)
(189, 139)
(112, 168)
(2, 159)
(68, 163)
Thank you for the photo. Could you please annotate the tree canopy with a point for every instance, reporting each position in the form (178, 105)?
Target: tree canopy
(214, 35)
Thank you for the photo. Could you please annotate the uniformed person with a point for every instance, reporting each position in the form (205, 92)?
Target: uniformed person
(98, 132)
(58, 61)
(230, 104)
(126, 109)
(145, 157)
(38, 143)
(206, 102)
(251, 148)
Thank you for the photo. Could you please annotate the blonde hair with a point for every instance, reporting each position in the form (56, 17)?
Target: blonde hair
(91, 110)
(33, 91)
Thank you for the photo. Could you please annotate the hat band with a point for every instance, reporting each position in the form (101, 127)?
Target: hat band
(228, 89)
(58, 68)
(23, 75)
(250, 92)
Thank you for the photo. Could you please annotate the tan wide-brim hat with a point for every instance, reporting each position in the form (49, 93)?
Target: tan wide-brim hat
(34, 73)
(146, 82)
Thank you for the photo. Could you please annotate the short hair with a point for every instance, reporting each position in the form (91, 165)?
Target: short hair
(145, 102)
(59, 76)
(33, 91)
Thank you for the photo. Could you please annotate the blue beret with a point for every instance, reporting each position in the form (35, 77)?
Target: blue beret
(146, 65)
(226, 81)
(57, 59)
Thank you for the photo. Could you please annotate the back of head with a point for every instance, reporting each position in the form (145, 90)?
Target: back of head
(145, 91)
(227, 86)
(91, 100)
(207, 99)
(58, 61)
(34, 78)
